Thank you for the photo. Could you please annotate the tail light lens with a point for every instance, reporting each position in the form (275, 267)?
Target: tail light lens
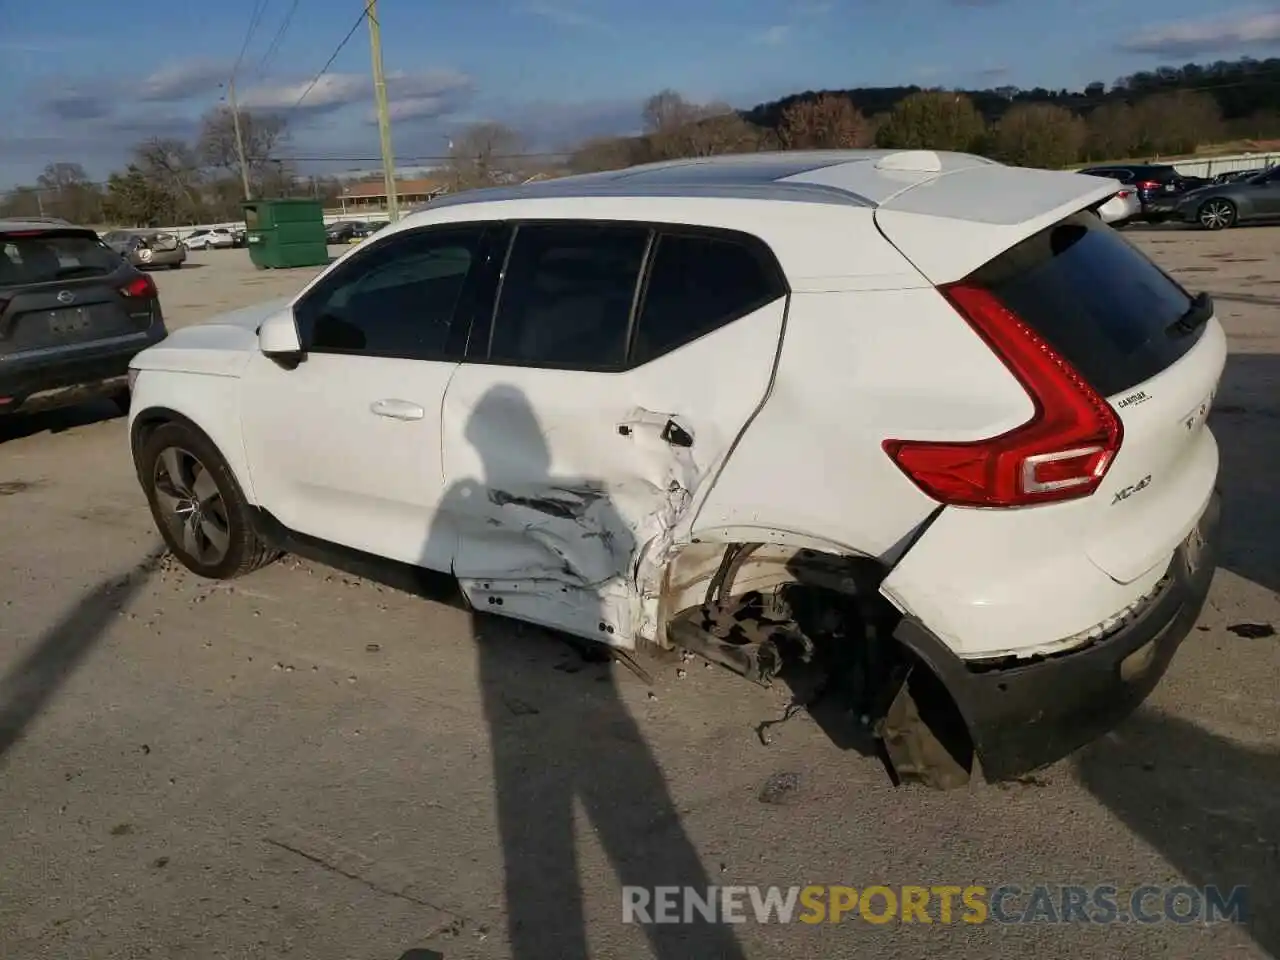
(1148, 184)
(140, 287)
(1061, 453)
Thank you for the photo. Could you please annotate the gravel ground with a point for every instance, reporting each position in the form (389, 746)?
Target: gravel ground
(305, 764)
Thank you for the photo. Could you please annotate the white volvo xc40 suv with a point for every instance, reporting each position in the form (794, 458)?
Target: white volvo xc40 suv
(920, 417)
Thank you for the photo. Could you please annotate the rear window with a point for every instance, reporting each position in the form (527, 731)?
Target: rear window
(1096, 299)
(42, 256)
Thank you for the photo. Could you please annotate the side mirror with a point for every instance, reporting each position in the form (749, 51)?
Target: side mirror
(278, 339)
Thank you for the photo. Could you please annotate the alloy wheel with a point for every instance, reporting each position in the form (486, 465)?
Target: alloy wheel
(191, 505)
(1217, 215)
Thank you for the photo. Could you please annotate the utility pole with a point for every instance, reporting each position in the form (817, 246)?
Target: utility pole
(384, 115)
(235, 121)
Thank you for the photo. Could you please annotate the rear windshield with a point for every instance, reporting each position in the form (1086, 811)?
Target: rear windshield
(41, 256)
(1096, 299)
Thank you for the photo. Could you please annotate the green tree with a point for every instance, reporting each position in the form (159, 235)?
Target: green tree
(134, 199)
(1038, 135)
(933, 120)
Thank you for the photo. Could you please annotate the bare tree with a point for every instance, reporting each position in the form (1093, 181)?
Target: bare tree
(830, 121)
(263, 135)
(668, 110)
(1178, 122)
(1112, 132)
(676, 127)
(66, 191)
(603, 153)
(174, 168)
(484, 155)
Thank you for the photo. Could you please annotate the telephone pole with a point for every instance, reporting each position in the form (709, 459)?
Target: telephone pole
(235, 120)
(384, 115)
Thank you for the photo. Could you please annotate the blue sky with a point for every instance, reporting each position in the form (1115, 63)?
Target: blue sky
(84, 79)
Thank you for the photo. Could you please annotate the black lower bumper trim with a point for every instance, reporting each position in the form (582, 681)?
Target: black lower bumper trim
(1029, 715)
(29, 384)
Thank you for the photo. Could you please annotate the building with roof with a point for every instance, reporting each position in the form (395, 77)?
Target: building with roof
(368, 195)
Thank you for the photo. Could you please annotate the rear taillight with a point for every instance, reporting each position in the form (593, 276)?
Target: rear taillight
(139, 287)
(1061, 453)
(1148, 184)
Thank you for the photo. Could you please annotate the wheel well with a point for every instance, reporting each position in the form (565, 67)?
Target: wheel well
(146, 423)
(763, 610)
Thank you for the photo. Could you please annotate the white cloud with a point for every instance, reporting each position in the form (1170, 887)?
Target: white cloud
(410, 95)
(1196, 37)
(182, 81)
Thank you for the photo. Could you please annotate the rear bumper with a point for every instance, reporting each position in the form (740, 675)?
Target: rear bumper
(1026, 716)
(44, 379)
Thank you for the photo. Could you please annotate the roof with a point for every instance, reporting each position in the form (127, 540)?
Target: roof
(865, 178)
(378, 188)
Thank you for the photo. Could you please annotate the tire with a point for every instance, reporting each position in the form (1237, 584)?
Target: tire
(1217, 214)
(198, 506)
(175, 266)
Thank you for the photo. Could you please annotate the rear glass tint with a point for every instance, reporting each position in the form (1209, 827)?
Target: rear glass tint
(39, 257)
(1096, 299)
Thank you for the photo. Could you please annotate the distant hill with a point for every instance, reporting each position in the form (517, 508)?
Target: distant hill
(1244, 89)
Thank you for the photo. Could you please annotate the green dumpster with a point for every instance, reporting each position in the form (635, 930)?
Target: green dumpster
(285, 233)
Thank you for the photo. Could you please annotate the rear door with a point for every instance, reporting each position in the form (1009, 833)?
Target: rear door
(1136, 336)
(592, 413)
(64, 288)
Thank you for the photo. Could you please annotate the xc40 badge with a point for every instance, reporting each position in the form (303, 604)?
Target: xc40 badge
(1129, 491)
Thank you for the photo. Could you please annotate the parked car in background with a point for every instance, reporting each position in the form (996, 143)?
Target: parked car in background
(1157, 185)
(347, 231)
(239, 237)
(210, 238)
(1233, 175)
(992, 511)
(1122, 209)
(1223, 205)
(73, 313)
(148, 248)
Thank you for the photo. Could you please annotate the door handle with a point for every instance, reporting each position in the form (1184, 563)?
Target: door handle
(397, 409)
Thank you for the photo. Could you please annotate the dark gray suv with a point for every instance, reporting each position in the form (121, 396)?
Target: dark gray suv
(73, 313)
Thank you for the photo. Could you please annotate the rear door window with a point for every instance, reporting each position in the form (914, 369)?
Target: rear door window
(567, 295)
(44, 256)
(1102, 304)
(697, 284)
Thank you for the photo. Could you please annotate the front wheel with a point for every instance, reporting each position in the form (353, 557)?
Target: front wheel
(1217, 214)
(198, 506)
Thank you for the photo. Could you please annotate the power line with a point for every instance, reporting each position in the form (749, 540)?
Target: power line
(328, 63)
(274, 46)
(259, 8)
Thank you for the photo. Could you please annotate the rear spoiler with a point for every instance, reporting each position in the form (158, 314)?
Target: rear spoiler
(951, 225)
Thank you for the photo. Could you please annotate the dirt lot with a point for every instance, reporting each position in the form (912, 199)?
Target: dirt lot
(306, 764)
